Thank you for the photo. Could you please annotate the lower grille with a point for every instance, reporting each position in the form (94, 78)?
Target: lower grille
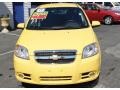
(87, 74)
(57, 61)
(55, 56)
(56, 78)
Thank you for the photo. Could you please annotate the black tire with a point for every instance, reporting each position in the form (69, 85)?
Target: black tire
(26, 85)
(108, 20)
(95, 82)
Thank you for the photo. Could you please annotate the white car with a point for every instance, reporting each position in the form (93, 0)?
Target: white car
(110, 5)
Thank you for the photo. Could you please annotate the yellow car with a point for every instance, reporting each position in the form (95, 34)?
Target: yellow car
(57, 47)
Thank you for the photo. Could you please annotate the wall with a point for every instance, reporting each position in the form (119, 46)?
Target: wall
(27, 6)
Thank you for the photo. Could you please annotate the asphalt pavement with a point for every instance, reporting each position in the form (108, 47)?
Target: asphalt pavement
(109, 38)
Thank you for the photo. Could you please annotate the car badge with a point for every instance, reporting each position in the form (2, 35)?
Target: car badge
(55, 57)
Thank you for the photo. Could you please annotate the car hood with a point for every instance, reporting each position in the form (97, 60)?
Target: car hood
(56, 39)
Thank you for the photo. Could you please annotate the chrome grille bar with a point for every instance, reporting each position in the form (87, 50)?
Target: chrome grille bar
(55, 56)
(48, 57)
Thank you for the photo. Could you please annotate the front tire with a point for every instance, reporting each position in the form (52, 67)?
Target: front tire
(108, 20)
(26, 85)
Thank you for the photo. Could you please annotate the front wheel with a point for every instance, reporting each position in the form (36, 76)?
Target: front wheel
(28, 85)
(25, 84)
(108, 20)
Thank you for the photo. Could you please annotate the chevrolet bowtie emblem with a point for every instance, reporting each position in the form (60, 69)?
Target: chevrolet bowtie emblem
(55, 57)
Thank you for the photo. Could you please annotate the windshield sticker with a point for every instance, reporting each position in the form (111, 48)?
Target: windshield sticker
(41, 10)
(39, 15)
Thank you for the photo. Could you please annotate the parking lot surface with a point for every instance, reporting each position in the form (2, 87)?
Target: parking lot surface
(109, 38)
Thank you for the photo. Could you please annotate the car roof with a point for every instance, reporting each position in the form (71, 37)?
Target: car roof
(51, 5)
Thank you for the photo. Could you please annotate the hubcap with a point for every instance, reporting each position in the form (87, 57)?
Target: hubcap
(108, 20)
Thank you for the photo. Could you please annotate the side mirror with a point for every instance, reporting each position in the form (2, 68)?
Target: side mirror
(95, 23)
(21, 25)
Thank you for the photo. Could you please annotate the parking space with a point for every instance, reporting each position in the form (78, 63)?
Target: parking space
(109, 37)
(7, 45)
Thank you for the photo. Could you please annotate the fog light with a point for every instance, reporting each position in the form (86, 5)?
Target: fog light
(21, 75)
(91, 74)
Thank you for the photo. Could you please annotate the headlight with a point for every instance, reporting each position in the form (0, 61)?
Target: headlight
(90, 50)
(117, 13)
(21, 52)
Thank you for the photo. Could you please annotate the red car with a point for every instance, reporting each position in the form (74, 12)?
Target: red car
(100, 13)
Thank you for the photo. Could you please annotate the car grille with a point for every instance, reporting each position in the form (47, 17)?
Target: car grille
(55, 56)
(56, 78)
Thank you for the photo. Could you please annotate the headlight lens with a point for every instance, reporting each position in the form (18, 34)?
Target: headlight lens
(21, 52)
(90, 50)
(117, 13)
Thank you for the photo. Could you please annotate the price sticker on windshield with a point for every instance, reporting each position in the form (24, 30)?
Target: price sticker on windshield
(39, 15)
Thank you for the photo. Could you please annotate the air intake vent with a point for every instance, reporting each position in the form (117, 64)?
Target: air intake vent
(56, 78)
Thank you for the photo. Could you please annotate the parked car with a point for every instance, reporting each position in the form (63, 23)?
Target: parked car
(100, 13)
(109, 5)
(57, 46)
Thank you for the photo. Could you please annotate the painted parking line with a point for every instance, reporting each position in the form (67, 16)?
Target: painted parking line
(10, 34)
(2, 54)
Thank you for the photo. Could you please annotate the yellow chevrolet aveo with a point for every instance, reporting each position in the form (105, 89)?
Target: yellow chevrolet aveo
(57, 47)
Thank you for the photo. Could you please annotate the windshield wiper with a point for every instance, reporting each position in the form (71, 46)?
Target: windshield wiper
(54, 28)
(59, 28)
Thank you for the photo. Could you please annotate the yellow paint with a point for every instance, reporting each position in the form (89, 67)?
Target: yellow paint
(58, 40)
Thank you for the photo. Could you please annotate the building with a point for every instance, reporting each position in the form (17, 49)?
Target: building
(18, 11)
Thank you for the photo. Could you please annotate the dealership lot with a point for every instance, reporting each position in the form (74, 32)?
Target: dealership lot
(109, 37)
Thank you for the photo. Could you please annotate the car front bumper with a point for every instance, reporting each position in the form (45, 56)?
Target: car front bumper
(79, 71)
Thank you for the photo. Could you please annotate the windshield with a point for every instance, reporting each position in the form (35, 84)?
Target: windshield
(100, 6)
(57, 18)
(103, 7)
